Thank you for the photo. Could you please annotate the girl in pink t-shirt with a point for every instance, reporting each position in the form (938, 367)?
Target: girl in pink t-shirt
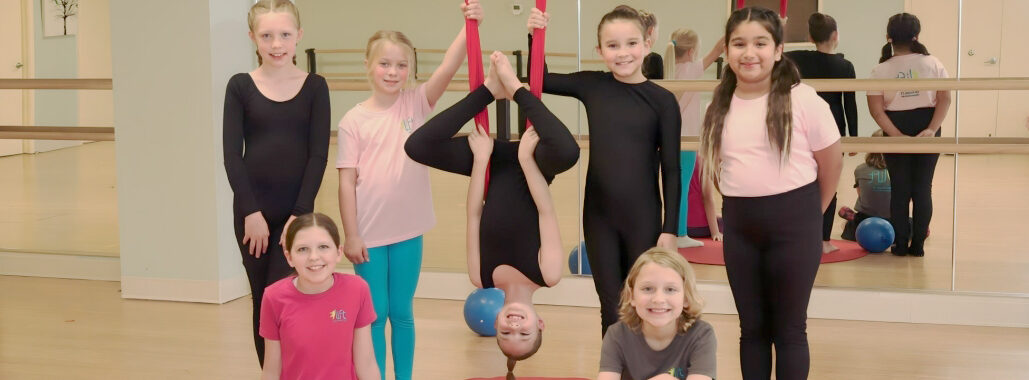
(682, 63)
(384, 196)
(909, 113)
(315, 323)
(771, 146)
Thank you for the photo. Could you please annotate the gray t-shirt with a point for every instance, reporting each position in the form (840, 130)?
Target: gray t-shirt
(873, 191)
(626, 351)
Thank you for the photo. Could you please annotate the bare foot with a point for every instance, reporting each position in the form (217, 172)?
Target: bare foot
(827, 247)
(688, 242)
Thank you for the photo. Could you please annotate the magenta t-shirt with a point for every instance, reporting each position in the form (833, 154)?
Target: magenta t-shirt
(316, 331)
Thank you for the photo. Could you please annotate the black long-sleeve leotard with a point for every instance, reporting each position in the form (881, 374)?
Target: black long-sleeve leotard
(509, 225)
(634, 131)
(275, 155)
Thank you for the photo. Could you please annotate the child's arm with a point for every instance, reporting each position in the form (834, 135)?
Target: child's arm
(716, 51)
(877, 107)
(440, 78)
(482, 147)
(573, 84)
(364, 354)
(609, 376)
(709, 191)
(272, 360)
(551, 256)
(353, 244)
(942, 105)
(830, 165)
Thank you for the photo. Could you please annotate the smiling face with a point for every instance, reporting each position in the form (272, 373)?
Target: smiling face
(314, 255)
(518, 329)
(389, 67)
(752, 53)
(623, 46)
(658, 295)
(276, 35)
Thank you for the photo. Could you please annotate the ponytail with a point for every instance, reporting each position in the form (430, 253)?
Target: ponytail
(510, 369)
(917, 47)
(670, 60)
(887, 52)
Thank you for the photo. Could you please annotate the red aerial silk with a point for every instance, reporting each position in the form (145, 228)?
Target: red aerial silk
(536, 65)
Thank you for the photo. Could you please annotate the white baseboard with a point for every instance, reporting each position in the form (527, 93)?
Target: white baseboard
(826, 303)
(60, 266)
(174, 289)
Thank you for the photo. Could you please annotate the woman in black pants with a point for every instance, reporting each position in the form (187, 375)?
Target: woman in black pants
(909, 113)
(772, 147)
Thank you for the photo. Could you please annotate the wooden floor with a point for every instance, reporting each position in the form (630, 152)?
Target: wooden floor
(77, 329)
(66, 202)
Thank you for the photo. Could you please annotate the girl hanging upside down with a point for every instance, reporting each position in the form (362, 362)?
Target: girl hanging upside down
(513, 239)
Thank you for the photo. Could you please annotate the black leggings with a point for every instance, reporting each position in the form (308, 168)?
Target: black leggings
(772, 252)
(911, 181)
(261, 272)
(827, 219)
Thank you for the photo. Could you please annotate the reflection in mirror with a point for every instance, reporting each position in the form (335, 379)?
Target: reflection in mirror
(991, 254)
(328, 25)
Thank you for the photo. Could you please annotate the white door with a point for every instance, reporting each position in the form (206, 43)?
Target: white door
(1013, 106)
(10, 68)
(980, 57)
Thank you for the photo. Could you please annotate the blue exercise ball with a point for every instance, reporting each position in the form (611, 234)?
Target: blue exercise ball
(875, 235)
(573, 260)
(481, 309)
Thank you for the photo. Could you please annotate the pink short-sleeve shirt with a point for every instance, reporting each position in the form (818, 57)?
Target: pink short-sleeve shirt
(909, 66)
(751, 166)
(394, 197)
(689, 102)
(316, 331)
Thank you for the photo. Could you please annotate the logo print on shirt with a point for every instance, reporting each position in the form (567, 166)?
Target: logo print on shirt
(910, 74)
(338, 315)
(677, 373)
(408, 124)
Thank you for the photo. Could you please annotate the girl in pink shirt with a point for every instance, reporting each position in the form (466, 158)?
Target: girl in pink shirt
(909, 113)
(384, 196)
(771, 146)
(315, 323)
(681, 62)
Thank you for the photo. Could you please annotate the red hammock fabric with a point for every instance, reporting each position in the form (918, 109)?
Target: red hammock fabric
(476, 76)
(536, 65)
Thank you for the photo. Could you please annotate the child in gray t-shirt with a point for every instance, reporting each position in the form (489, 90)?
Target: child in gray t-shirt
(872, 181)
(659, 334)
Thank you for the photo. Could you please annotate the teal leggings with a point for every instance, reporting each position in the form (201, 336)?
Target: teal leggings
(392, 275)
(687, 159)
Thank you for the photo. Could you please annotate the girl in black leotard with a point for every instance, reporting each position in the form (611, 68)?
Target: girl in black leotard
(513, 239)
(634, 128)
(276, 140)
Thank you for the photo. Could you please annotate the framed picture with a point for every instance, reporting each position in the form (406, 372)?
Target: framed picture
(60, 17)
(797, 12)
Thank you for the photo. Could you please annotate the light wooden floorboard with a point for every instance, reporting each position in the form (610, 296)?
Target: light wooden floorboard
(77, 329)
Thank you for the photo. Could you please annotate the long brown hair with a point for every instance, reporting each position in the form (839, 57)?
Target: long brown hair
(779, 120)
